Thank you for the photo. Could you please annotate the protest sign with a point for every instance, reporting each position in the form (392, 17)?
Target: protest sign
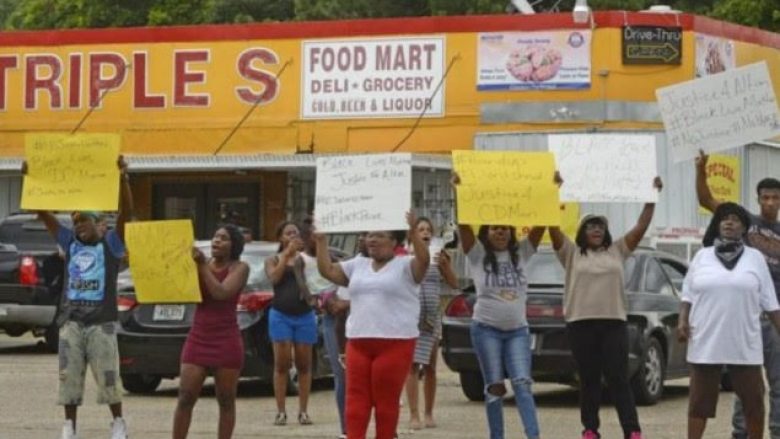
(605, 168)
(161, 261)
(363, 192)
(71, 172)
(719, 111)
(723, 179)
(506, 187)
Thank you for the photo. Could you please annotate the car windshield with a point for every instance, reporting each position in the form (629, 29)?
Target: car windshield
(544, 270)
(258, 281)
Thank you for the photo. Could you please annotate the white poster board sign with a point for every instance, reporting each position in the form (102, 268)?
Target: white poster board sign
(605, 168)
(363, 192)
(720, 111)
(377, 77)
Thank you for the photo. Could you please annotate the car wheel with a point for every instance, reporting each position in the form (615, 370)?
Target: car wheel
(52, 338)
(140, 383)
(648, 382)
(473, 385)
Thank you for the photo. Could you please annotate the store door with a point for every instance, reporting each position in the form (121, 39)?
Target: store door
(208, 205)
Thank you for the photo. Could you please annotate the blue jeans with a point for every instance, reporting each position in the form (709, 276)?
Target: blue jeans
(771, 341)
(332, 349)
(499, 352)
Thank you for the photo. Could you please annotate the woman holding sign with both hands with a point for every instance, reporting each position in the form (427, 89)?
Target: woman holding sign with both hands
(214, 341)
(594, 307)
(382, 326)
(499, 330)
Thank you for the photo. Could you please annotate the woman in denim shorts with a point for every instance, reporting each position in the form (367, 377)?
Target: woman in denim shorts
(292, 323)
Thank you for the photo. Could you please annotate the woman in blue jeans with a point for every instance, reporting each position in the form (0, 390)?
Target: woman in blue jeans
(499, 332)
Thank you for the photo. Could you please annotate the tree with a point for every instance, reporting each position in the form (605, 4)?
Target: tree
(247, 11)
(50, 14)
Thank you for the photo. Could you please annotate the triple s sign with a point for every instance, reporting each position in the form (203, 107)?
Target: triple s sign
(77, 79)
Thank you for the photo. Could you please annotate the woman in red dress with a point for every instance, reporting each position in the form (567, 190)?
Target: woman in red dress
(214, 342)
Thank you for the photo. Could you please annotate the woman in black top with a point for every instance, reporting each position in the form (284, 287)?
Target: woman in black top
(292, 323)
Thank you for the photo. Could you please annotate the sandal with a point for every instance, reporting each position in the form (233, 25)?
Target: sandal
(303, 419)
(281, 419)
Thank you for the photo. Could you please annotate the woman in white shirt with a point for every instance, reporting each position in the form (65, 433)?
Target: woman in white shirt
(382, 325)
(727, 287)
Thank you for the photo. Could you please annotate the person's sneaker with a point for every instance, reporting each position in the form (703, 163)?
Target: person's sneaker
(636, 435)
(590, 434)
(118, 429)
(68, 432)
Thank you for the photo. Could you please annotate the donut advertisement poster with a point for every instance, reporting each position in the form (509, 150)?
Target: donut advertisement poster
(553, 60)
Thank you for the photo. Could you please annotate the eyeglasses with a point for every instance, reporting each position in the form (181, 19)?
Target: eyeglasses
(595, 226)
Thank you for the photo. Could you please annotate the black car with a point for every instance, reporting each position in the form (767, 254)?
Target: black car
(653, 285)
(151, 336)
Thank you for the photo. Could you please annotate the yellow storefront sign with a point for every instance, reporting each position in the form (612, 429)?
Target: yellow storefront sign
(161, 261)
(723, 179)
(71, 172)
(506, 187)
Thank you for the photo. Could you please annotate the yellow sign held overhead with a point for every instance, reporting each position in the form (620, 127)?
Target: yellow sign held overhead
(723, 179)
(161, 261)
(71, 172)
(506, 187)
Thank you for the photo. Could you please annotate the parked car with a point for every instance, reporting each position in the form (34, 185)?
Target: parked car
(31, 276)
(151, 336)
(653, 286)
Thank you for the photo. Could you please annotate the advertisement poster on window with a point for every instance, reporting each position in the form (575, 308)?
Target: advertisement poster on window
(378, 77)
(714, 55)
(554, 60)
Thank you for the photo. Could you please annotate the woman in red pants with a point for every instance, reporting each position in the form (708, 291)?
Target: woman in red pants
(382, 325)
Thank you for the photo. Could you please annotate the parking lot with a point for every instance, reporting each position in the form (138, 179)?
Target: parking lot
(28, 376)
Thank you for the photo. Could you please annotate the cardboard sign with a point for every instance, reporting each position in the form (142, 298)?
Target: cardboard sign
(606, 168)
(363, 192)
(506, 188)
(161, 261)
(71, 172)
(718, 112)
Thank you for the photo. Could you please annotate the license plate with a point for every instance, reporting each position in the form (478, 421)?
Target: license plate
(533, 341)
(168, 312)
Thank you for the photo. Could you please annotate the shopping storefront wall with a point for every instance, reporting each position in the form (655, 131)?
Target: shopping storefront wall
(175, 94)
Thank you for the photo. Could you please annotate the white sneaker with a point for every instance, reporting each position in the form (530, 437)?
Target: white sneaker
(118, 429)
(68, 432)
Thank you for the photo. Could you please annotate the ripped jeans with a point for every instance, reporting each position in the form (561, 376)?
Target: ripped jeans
(505, 354)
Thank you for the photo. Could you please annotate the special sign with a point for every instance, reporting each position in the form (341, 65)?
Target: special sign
(381, 77)
(652, 45)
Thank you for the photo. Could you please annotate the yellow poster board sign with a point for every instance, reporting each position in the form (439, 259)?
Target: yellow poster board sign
(506, 187)
(71, 172)
(723, 179)
(161, 261)
(570, 217)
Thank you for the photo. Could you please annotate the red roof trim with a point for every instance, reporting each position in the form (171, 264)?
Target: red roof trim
(736, 32)
(378, 27)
